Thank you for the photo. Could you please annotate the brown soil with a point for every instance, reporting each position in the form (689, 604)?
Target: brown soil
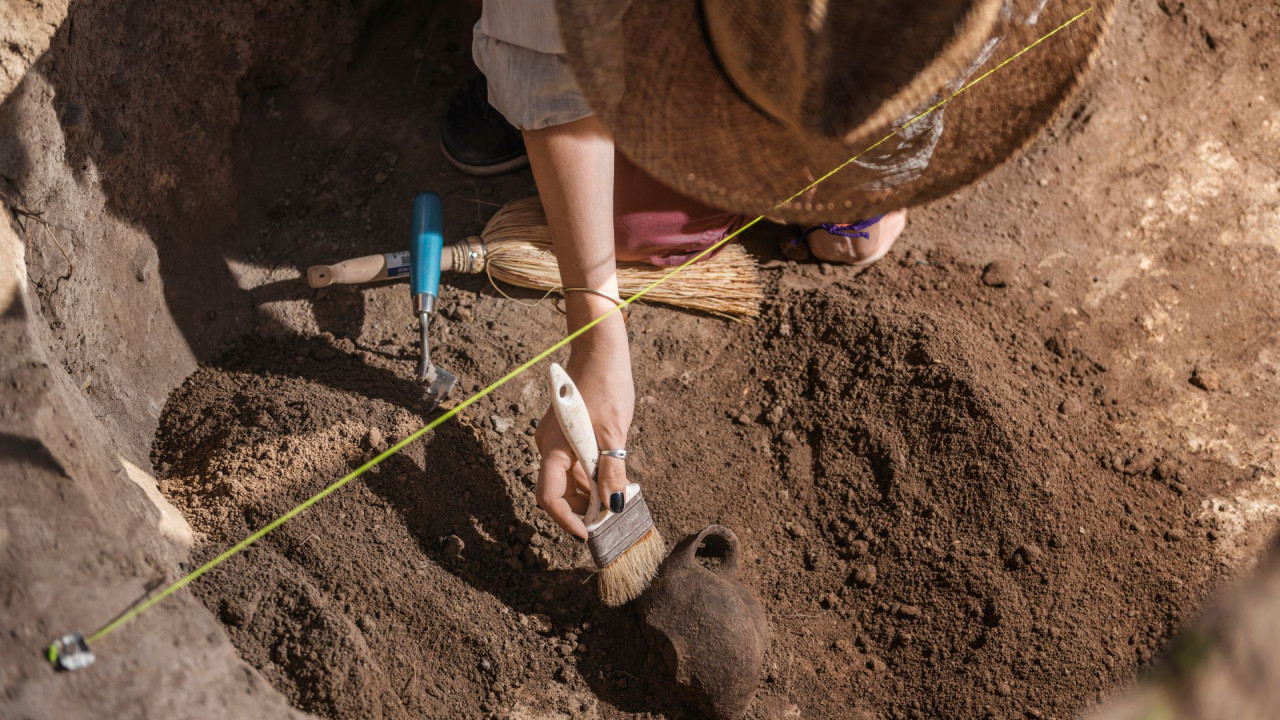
(933, 507)
(987, 478)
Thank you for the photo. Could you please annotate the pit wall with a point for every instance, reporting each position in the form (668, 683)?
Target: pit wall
(117, 124)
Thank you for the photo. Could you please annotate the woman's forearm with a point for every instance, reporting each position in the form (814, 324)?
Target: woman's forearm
(573, 166)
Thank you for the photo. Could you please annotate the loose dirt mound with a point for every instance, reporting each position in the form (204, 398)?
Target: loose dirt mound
(930, 505)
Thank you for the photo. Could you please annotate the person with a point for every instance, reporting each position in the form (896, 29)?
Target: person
(653, 130)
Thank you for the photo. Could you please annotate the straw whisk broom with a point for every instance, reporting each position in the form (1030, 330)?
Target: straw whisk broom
(515, 248)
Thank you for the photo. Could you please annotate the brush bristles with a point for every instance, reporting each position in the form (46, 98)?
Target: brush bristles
(520, 253)
(622, 580)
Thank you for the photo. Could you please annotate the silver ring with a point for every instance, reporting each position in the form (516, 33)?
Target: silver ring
(619, 453)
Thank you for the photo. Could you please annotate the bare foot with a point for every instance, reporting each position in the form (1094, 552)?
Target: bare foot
(860, 251)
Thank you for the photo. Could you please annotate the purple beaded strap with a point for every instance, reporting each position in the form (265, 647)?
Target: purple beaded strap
(849, 230)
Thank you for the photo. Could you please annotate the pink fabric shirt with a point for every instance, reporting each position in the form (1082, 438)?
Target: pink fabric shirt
(657, 225)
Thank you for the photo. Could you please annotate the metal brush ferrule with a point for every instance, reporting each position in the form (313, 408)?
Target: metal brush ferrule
(622, 530)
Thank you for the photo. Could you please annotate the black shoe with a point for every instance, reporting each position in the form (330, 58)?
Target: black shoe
(475, 138)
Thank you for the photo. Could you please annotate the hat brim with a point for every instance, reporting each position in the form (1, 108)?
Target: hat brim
(650, 74)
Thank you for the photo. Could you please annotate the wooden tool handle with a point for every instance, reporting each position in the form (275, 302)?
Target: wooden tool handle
(348, 272)
(571, 411)
(370, 268)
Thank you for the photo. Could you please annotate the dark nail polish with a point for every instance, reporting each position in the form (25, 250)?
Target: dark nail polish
(580, 539)
(617, 501)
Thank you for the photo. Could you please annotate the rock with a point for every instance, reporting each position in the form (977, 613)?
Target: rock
(1003, 689)
(775, 414)
(1140, 464)
(501, 424)
(1174, 535)
(367, 624)
(1070, 407)
(374, 440)
(1058, 345)
(909, 611)
(743, 419)
(1206, 380)
(453, 547)
(865, 576)
(789, 437)
(998, 274)
(826, 268)
(785, 330)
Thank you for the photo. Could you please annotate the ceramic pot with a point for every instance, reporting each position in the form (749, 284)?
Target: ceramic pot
(708, 626)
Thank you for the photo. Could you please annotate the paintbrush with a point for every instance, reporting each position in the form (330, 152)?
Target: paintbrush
(625, 546)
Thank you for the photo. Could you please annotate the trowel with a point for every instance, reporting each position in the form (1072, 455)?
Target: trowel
(424, 286)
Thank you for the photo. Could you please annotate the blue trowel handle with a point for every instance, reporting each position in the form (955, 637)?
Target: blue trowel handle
(426, 245)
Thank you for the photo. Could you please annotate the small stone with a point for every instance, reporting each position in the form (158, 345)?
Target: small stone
(1069, 407)
(1003, 689)
(865, 576)
(1206, 380)
(775, 414)
(909, 611)
(743, 419)
(501, 424)
(794, 530)
(785, 330)
(875, 664)
(453, 547)
(1174, 535)
(485, 665)
(997, 274)
(789, 437)
(826, 268)
(367, 624)
(374, 440)
(1058, 345)
(1140, 464)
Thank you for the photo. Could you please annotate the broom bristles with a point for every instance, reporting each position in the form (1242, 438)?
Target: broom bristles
(519, 252)
(622, 580)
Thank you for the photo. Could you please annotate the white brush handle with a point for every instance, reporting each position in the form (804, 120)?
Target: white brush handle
(571, 411)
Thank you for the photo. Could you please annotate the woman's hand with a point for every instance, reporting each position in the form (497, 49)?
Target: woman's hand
(601, 369)
(573, 166)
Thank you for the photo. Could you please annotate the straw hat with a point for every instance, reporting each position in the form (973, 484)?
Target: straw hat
(740, 103)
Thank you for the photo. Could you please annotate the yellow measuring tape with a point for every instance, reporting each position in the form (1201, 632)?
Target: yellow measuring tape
(234, 549)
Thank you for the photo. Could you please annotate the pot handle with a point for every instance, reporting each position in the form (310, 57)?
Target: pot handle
(721, 541)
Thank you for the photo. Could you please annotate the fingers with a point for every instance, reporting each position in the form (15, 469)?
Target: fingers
(553, 479)
(611, 477)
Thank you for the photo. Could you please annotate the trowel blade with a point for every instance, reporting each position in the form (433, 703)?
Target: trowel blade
(438, 383)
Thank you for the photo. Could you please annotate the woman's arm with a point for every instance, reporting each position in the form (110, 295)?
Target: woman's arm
(573, 166)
